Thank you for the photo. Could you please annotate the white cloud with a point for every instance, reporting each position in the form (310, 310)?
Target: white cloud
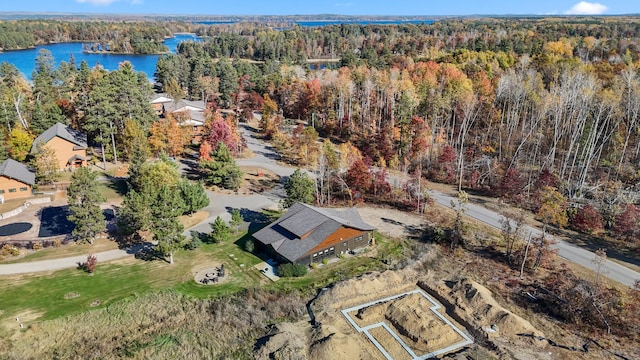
(586, 8)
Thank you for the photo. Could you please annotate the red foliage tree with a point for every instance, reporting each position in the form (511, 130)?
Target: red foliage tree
(380, 187)
(545, 178)
(447, 155)
(627, 224)
(419, 144)
(587, 220)
(221, 132)
(511, 185)
(359, 179)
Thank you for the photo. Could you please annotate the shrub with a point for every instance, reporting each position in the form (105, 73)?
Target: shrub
(292, 270)
(37, 246)
(325, 261)
(249, 246)
(8, 249)
(89, 265)
(195, 241)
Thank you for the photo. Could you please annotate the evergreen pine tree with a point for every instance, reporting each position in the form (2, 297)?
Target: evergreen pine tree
(194, 196)
(166, 208)
(84, 204)
(299, 188)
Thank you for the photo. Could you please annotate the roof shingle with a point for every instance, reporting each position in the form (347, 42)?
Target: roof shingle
(63, 131)
(284, 234)
(15, 170)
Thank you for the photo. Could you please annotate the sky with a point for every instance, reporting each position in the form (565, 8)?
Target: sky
(342, 7)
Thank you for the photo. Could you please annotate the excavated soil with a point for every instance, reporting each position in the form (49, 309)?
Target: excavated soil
(465, 303)
(413, 321)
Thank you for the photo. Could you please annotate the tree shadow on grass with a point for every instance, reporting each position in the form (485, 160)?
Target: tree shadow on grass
(257, 220)
(119, 185)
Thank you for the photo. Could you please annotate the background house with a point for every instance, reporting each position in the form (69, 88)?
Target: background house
(307, 234)
(69, 145)
(186, 113)
(16, 180)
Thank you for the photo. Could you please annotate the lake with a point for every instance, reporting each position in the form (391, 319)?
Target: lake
(24, 60)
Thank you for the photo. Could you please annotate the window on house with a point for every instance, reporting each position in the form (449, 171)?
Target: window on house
(1, 191)
(315, 254)
(12, 190)
(359, 238)
(344, 244)
(23, 189)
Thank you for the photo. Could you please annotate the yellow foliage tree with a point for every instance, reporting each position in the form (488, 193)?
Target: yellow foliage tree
(554, 207)
(19, 143)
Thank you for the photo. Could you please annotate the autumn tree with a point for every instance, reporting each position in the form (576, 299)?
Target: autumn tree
(359, 179)
(168, 137)
(84, 205)
(221, 132)
(587, 219)
(511, 186)
(627, 225)
(553, 210)
(45, 163)
(271, 121)
(19, 143)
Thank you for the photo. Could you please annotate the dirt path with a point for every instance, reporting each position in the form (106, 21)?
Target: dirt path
(391, 222)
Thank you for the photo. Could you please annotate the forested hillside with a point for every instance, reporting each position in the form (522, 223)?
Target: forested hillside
(117, 37)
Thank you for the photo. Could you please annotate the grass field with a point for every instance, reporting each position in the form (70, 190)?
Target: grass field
(72, 291)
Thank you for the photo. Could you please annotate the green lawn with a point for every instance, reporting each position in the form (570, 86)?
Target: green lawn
(52, 295)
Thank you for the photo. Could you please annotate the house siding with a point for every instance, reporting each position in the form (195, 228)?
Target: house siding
(340, 244)
(7, 184)
(64, 151)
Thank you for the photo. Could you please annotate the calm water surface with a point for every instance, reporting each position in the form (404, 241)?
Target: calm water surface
(24, 60)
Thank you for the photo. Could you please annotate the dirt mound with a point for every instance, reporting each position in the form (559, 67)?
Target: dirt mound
(286, 343)
(475, 304)
(366, 288)
(331, 343)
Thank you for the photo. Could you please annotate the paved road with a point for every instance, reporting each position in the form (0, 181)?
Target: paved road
(58, 264)
(566, 250)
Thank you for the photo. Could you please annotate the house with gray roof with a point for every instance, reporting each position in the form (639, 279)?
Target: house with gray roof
(16, 180)
(69, 145)
(186, 112)
(307, 234)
